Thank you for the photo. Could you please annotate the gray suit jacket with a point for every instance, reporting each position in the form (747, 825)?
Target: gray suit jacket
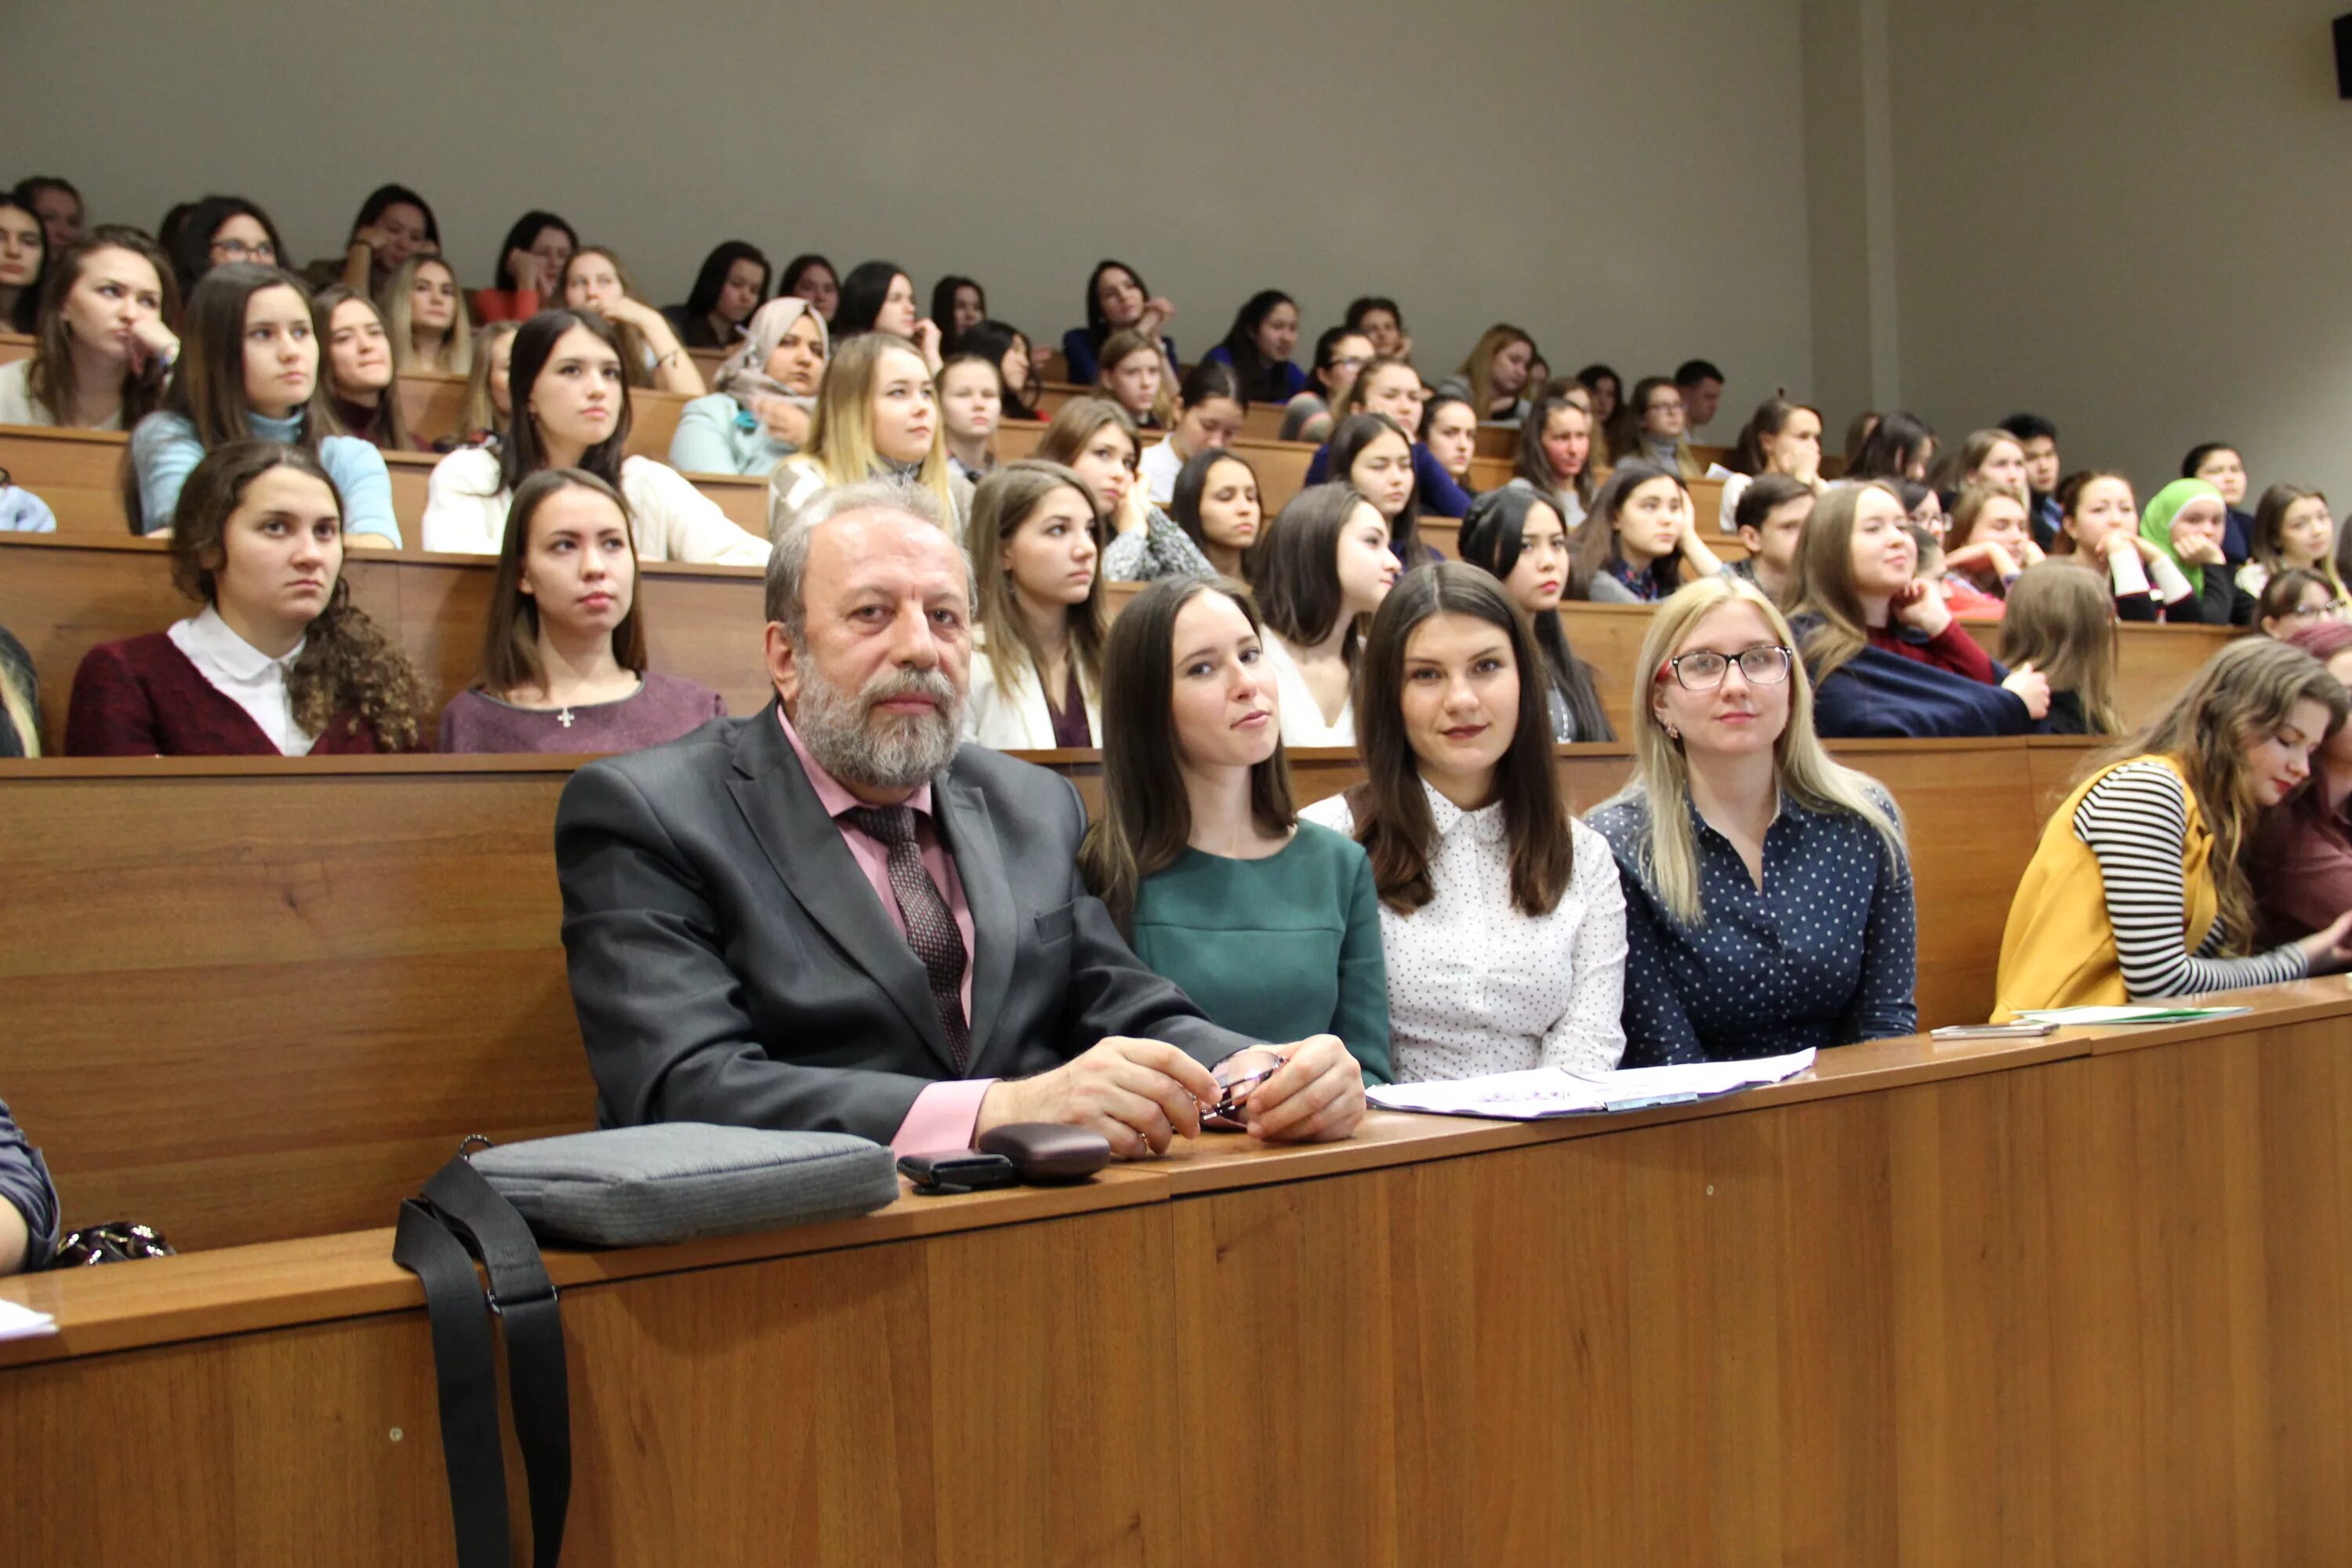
(731, 964)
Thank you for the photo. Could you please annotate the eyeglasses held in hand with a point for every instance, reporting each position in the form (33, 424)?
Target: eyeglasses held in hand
(1229, 1109)
(1702, 669)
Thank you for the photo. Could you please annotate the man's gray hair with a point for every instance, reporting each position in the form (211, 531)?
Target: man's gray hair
(788, 563)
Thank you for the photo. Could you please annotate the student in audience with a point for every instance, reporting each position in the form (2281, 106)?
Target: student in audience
(811, 277)
(2059, 622)
(1990, 540)
(1501, 916)
(2185, 521)
(2219, 464)
(1495, 376)
(878, 297)
(1518, 536)
(1661, 437)
(594, 279)
(1383, 325)
(1701, 385)
(1392, 387)
(531, 269)
(2292, 528)
(395, 223)
(1539, 376)
(1258, 347)
(20, 700)
(1631, 550)
(1449, 434)
(1780, 437)
(249, 370)
(877, 413)
(1991, 456)
(218, 230)
(1614, 422)
(1770, 521)
(1321, 566)
(1898, 445)
(278, 661)
(763, 398)
(971, 403)
(958, 305)
(1116, 298)
(426, 312)
(1885, 657)
(1960, 596)
(1008, 346)
(358, 369)
(570, 403)
(1135, 376)
(103, 349)
(2300, 867)
(1038, 681)
(1270, 925)
(2138, 889)
(2099, 529)
(58, 205)
(2293, 600)
(1921, 509)
(1768, 891)
(1555, 456)
(1372, 453)
(23, 264)
(564, 655)
(732, 284)
(29, 1225)
(1858, 432)
(1093, 438)
(1208, 415)
(2039, 437)
(1339, 355)
(489, 406)
(1218, 508)
(727, 967)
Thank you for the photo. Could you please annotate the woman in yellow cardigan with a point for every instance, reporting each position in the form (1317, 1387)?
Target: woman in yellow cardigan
(2138, 889)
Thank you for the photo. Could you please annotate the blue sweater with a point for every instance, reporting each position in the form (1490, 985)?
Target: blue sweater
(1878, 695)
(1440, 496)
(164, 451)
(1078, 355)
(1294, 380)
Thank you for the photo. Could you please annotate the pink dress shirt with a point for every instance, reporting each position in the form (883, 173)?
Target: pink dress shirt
(943, 1115)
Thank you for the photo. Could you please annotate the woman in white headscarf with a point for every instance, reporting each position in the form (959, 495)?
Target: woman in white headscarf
(766, 391)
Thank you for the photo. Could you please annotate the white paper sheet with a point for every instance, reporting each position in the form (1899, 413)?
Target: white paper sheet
(21, 1323)
(1548, 1091)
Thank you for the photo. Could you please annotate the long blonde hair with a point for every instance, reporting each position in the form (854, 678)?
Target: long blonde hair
(481, 411)
(2061, 620)
(841, 435)
(457, 356)
(1668, 861)
(1479, 369)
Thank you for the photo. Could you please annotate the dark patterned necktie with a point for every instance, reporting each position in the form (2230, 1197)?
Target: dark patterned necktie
(931, 924)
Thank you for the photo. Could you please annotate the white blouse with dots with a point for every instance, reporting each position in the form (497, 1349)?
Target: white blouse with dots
(1475, 985)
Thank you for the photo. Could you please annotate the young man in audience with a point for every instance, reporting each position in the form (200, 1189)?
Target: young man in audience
(2040, 439)
(830, 915)
(1701, 389)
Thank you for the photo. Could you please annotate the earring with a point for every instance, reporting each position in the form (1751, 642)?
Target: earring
(1672, 734)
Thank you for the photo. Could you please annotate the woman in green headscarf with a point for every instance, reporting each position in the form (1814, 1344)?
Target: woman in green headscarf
(2185, 520)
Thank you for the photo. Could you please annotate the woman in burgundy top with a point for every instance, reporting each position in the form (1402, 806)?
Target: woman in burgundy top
(563, 656)
(2303, 849)
(1037, 555)
(279, 662)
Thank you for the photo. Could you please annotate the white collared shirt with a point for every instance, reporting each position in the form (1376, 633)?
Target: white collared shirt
(1475, 985)
(245, 675)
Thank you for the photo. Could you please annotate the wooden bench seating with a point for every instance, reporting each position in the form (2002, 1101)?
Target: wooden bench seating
(252, 999)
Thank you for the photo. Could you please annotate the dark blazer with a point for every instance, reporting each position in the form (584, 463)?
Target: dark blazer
(731, 964)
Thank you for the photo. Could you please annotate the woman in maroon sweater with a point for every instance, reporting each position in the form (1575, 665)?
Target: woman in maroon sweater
(278, 661)
(2303, 849)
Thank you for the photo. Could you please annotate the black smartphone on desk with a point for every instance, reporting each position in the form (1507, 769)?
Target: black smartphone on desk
(946, 1171)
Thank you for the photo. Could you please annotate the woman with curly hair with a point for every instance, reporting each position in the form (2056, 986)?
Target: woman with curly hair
(278, 661)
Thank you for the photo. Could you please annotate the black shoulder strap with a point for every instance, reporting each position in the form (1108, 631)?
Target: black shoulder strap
(461, 1217)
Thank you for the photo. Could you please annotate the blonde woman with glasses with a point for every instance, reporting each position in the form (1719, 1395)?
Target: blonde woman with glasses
(1767, 892)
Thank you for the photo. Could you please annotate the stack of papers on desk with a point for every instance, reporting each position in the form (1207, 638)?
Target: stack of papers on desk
(1549, 1091)
(21, 1323)
(2158, 1015)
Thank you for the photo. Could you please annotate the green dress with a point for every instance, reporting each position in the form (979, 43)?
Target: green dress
(1277, 949)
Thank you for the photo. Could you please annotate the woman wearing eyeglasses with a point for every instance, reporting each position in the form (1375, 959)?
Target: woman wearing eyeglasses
(1767, 892)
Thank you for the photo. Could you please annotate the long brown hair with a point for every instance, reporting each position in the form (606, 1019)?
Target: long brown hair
(2063, 622)
(50, 377)
(1821, 586)
(1295, 565)
(1391, 810)
(511, 633)
(390, 424)
(347, 664)
(1000, 504)
(1147, 817)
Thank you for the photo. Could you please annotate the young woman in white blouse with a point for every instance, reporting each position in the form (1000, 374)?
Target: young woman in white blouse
(1036, 678)
(1323, 564)
(570, 403)
(1501, 916)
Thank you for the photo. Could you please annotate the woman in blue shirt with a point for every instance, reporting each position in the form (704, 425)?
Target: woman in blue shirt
(1773, 910)
(248, 370)
(1259, 345)
(1116, 297)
